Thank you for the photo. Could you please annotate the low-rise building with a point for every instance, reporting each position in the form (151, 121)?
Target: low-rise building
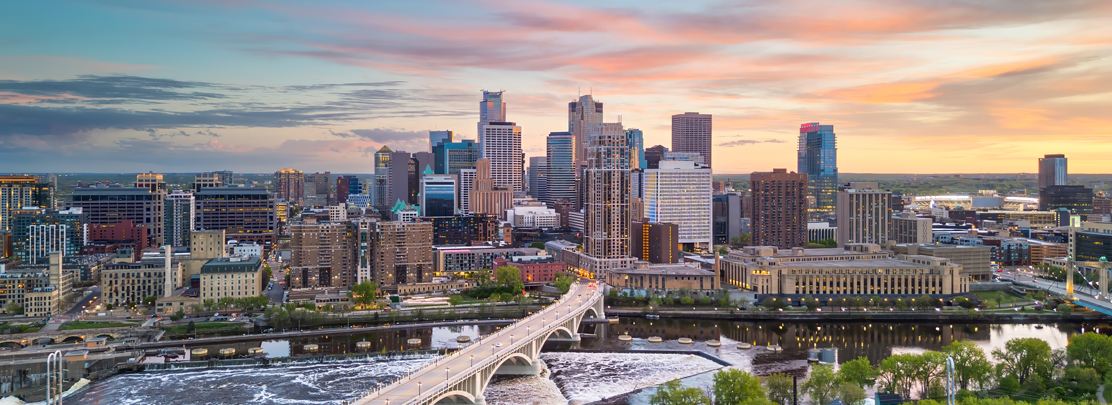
(533, 217)
(123, 283)
(248, 248)
(235, 277)
(534, 269)
(645, 277)
(465, 261)
(36, 289)
(910, 228)
(975, 261)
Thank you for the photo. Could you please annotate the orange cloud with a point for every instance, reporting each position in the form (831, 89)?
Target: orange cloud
(885, 93)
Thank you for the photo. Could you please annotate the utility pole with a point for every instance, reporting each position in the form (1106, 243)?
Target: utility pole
(795, 390)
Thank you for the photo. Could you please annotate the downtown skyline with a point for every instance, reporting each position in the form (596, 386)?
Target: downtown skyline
(911, 87)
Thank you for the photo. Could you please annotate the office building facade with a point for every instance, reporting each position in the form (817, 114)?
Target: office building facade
(180, 217)
(500, 143)
(818, 159)
(18, 192)
(583, 115)
(679, 192)
(380, 182)
(438, 196)
(112, 205)
(37, 232)
(864, 214)
(909, 228)
(451, 157)
(655, 242)
(151, 181)
(654, 155)
(289, 185)
(726, 216)
(691, 132)
(487, 197)
(439, 137)
(636, 140)
(1076, 199)
(538, 177)
(1053, 171)
(779, 212)
(464, 230)
(243, 213)
(562, 168)
(491, 109)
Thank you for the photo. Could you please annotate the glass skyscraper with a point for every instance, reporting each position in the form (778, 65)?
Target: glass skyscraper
(438, 195)
(436, 137)
(491, 109)
(818, 159)
(636, 140)
(561, 168)
(451, 157)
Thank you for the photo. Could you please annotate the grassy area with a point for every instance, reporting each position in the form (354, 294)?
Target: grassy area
(204, 327)
(75, 325)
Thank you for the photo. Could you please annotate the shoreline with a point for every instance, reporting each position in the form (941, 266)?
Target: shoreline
(885, 316)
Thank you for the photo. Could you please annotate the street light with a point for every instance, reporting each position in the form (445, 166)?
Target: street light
(472, 360)
(446, 376)
(418, 388)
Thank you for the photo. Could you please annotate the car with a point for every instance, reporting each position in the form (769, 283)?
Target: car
(498, 345)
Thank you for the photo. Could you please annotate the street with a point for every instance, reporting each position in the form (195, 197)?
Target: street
(1082, 293)
(94, 293)
(276, 292)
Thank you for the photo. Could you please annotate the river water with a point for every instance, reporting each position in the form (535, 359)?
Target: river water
(569, 377)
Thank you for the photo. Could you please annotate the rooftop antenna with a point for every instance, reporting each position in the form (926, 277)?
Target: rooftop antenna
(578, 91)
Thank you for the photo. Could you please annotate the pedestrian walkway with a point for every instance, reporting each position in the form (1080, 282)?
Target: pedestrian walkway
(1100, 396)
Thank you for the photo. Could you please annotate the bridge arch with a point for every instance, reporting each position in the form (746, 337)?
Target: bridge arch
(494, 370)
(452, 395)
(12, 344)
(591, 310)
(73, 339)
(556, 331)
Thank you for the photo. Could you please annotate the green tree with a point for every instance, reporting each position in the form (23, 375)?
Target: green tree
(811, 303)
(495, 297)
(191, 327)
(309, 306)
(971, 365)
(674, 393)
(563, 283)
(106, 306)
(733, 386)
(897, 373)
(1080, 382)
(820, 386)
(364, 294)
(850, 393)
(1065, 310)
(779, 387)
(857, 371)
(1024, 357)
(705, 300)
(1091, 350)
(177, 316)
(15, 308)
(687, 301)
(509, 277)
(455, 300)
(724, 301)
(149, 301)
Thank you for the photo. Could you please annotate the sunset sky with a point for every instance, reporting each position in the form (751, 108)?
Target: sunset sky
(926, 86)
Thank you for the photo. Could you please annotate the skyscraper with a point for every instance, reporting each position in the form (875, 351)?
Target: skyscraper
(152, 181)
(679, 192)
(451, 157)
(864, 213)
(438, 195)
(397, 178)
(346, 185)
(636, 140)
(654, 155)
(779, 211)
(500, 143)
(488, 197)
(1052, 171)
(691, 132)
(491, 109)
(466, 185)
(380, 182)
(180, 212)
(17, 192)
(111, 205)
(583, 115)
(289, 184)
(818, 159)
(607, 206)
(438, 137)
(317, 190)
(37, 232)
(561, 168)
(538, 177)
(244, 213)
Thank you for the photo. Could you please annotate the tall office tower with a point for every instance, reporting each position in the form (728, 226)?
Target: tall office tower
(538, 177)
(202, 180)
(246, 214)
(1052, 171)
(110, 205)
(864, 213)
(779, 211)
(727, 211)
(438, 137)
(500, 143)
(583, 115)
(289, 184)
(562, 168)
(419, 164)
(466, 185)
(17, 192)
(380, 183)
(317, 190)
(322, 255)
(685, 156)
(607, 205)
(438, 195)
(691, 132)
(346, 185)
(654, 155)
(818, 159)
(37, 231)
(680, 193)
(487, 197)
(636, 140)
(397, 178)
(180, 216)
(1076, 199)
(491, 109)
(152, 181)
(451, 157)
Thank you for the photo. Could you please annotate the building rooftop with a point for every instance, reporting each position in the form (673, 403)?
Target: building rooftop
(232, 264)
(853, 264)
(112, 190)
(232, 190)
(677, 269)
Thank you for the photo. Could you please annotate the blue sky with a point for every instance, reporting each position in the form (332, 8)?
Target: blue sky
(911, 86)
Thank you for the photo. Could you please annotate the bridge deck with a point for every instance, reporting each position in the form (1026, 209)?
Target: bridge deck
(446, 371)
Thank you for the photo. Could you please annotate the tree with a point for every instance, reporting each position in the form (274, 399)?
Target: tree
(687, 300)
(735, 386)
(1091, 350)
(495, 297)
(779, 387)
(563, 283)
(1080, 382)
(455, 300)
(811, 303)
(1009, 385)
(191, 327)
(177, 316)
(850, 393)
(820, 386)
(1024, 357)
(149, 301)
(1065, 310)
(310, 305)
(897, 373)
(857, 371)
(926, 368)
(15, 308)
(674, 393)
(364, 294)
(106, 306)
(509, 277)
(971, 365)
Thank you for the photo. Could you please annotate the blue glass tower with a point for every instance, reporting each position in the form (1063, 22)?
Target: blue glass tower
(818, 158)
(561, 168)
(636, 140)
(451, 157)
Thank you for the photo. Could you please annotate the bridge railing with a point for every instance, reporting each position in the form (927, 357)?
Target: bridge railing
(469, 372)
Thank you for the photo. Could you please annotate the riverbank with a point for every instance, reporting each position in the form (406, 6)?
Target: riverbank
(858, 315)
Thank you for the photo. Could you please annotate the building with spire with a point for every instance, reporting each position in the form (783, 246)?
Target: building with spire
(491, 109)
(488, 197)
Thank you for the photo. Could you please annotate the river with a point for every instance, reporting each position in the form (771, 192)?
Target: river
(569, 377)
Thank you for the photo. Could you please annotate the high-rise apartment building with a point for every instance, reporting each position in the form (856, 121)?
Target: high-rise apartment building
(246, 214)
(607, 205)
(451, 157)
(289, 185)
(438, 195)
(380, 183)
(654, 155)
(346, 185)
(397, 252)
(500, 143)
(36, 232)
(818, 159)
(317, 190)
(655, 242)
(466, 186)
(778, 216)
(487, 197)
(438, 137)
(322, 255)
(562, 168)
(111, 205)
(180, 216)
(864, 214)
(538, 177)
(636, 140)
(680, 193)
(398, 178)
(583, 115)
(464, 230)
(691, 132)
(909, 228)
(1052, 171)
(491, 109)
(17, 192)
(152, 181)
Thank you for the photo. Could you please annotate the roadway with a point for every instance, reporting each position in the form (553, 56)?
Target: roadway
(475, 356)
(1083, 293)
(93, 292)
